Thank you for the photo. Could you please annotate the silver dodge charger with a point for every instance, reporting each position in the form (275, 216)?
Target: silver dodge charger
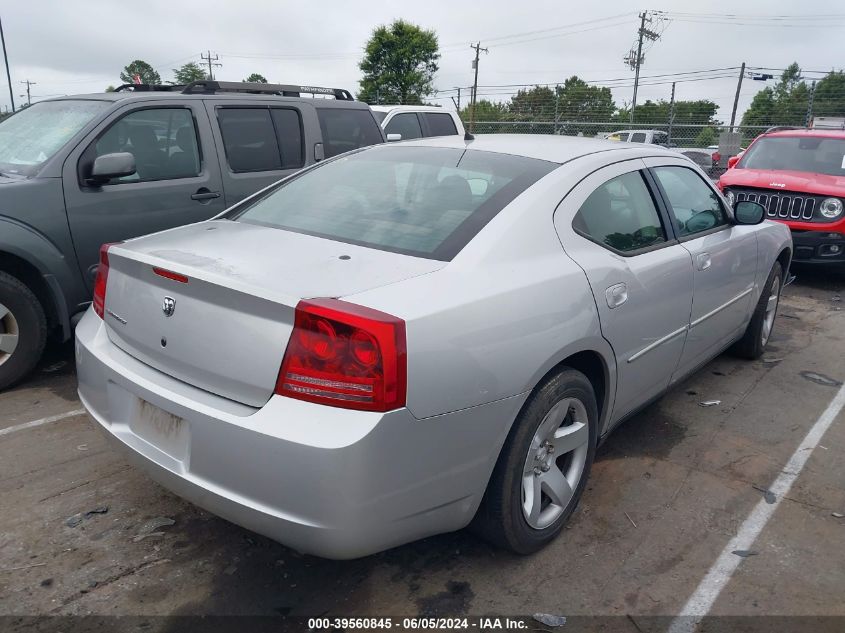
(412, 338)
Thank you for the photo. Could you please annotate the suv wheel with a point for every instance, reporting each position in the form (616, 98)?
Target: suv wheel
(543, 468)
(23, 330)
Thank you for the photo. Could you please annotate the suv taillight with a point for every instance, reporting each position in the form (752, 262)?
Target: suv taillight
(345, 355)
(100, 281)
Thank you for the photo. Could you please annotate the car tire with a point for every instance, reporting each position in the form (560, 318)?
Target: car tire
(23, 330)
(759, 331)
(509, 515)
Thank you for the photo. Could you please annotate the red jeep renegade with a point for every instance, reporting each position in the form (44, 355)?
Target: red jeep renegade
(799, 177)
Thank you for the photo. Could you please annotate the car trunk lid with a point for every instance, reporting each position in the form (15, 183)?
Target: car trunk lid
(225, 325)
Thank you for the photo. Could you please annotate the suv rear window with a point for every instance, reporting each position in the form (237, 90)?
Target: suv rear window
(346, 129)
(811, 154)
(423, 201)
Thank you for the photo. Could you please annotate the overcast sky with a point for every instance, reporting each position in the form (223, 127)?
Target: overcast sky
(68, 47)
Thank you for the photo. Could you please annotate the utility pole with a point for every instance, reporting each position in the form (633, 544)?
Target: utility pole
(6, 59)
(458, 104)
(28, 95)
(212, 61)
(809, 117)
(736, 97)
(671, 116)
(635, 59)
(478, 49)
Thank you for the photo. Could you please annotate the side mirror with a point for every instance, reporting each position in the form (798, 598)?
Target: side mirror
(108, 166)
(392, 138)
(319, 153)
(732, 161)
(747, 212)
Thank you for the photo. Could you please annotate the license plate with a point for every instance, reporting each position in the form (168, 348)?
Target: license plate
(165, 431)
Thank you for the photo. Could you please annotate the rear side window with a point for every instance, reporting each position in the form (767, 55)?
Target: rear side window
(289, 136)
(439, 124)
(405, 124)
(261, 139)
(249, 139)
(638, 137)
(345, 129)
(694, 205)
(422, 201)
(621, 215)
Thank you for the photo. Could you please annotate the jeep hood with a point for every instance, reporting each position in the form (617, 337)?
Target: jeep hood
(795, 181)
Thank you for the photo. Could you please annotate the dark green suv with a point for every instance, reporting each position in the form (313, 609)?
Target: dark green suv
(80, 171)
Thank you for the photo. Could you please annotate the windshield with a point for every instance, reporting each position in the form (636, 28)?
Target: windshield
(813, 154)
(423, 201)
(35, 133)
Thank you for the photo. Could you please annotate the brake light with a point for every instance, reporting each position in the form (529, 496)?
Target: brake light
(345, 355)
(100, 281)
(169, 274)
(716, 156)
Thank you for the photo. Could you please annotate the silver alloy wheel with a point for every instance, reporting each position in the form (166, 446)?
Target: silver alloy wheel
(771, 311)
(555, 462)
(9, 333)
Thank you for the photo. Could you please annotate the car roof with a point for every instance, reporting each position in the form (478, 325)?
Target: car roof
(556, 149)
(408, 108)
(802, 132)
(155, 95)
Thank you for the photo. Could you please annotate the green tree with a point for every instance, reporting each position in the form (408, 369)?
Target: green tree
(188, 72)
(579, 101)
(147, 73)
(256, 79)
(537, 103)
(829, 99)
(110, 88)
(707, 136)
(399, 64)
(487, 111)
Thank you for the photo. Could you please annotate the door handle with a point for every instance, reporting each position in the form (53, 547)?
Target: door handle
(703, 261)
(616, 295)
(205, 194)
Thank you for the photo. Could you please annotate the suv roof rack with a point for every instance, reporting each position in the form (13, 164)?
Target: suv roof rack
(205, 86)
(779, 128)
(149, 87)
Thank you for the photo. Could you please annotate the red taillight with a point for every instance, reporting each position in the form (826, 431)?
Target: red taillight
(100, 281)
(345, 355)
(716, 156)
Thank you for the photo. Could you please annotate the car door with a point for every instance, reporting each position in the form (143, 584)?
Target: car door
(261, 142)
(177, 179)
(612, 225)
(724, 259)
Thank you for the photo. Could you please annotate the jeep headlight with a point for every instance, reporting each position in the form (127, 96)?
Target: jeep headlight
(831, 208)
(731, 198)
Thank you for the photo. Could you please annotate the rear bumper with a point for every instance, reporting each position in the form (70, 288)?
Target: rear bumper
(322, 480)
(819, 247)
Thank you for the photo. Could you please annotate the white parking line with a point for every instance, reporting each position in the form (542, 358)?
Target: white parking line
(701, 601)
(34, 423)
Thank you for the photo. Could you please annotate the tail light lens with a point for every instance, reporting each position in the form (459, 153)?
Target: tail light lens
(716, 156)
(345, 355)
(100, 281)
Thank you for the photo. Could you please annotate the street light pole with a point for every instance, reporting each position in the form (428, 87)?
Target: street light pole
(6, 59)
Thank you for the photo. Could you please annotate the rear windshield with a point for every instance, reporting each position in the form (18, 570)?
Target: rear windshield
(813, 154)
(35, 133)
(423, 201)
(347, 129)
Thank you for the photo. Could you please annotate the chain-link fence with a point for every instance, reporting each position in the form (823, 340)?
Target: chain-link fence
(707, 145)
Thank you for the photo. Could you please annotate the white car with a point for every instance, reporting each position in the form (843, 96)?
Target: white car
(412, 121)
